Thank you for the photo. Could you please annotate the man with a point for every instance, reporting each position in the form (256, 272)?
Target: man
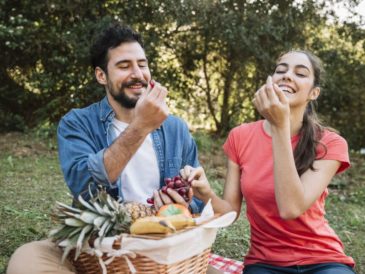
(127, 142)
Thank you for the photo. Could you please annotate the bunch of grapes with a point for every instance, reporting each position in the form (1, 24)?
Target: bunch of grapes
(176, 183)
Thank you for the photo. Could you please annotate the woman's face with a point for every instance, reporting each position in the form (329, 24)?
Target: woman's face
(295, 76)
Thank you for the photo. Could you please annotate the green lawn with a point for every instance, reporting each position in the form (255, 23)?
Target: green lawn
(31, 182)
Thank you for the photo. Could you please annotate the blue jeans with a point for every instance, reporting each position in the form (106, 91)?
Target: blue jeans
(326, 268)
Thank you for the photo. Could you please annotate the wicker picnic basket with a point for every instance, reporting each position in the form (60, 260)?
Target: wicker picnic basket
(89, 264)
(183, 252)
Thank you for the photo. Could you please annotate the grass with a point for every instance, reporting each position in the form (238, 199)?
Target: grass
(31, 182)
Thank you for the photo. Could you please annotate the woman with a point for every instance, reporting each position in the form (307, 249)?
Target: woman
(282, 166)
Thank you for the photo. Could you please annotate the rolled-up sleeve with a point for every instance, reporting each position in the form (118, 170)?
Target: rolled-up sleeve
(96, 167)
(80, 158)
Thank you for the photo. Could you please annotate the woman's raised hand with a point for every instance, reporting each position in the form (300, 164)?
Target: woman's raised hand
(272, 104)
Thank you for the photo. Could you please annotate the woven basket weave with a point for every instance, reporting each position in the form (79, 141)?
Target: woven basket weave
(88, 264)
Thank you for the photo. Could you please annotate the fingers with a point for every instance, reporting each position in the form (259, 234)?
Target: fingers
(196, 173)
(269, 90)
(177, 198)
(190, 194)
(157, 200)
(161, 199)
(267, 95)
(280, 94)
(145, 93)
(172, 196)
(157, 91)
(259, 98)
(185, 172)
(157, 94)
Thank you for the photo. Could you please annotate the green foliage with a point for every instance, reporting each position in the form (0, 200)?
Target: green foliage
(212, 56)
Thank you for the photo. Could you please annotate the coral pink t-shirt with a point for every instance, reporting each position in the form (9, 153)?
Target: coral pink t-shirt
(307, 239)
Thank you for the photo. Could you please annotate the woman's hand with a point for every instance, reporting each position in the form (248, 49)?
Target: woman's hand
(199, 182)
(272, 104)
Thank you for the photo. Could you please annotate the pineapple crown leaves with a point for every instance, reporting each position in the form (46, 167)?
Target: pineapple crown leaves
(101, 216)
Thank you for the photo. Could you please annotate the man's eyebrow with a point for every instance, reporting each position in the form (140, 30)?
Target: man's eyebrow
(124, 61)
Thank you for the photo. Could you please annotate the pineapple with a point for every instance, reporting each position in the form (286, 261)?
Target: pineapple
(137, 210)
(101, 217)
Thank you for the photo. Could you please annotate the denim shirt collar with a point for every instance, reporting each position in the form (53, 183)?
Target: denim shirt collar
(105, 109)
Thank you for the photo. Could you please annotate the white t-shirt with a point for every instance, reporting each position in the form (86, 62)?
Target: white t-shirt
(141, 175)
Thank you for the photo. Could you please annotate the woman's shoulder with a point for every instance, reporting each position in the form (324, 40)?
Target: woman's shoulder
(330, 136)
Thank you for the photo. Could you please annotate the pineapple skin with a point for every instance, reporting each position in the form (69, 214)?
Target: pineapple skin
(138, 210)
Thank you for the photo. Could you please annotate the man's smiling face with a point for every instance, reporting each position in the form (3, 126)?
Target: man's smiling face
(127, 73)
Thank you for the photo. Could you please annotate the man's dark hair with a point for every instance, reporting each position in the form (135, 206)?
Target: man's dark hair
(111, 37)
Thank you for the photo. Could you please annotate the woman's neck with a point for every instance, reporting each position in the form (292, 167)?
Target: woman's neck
(295, 123)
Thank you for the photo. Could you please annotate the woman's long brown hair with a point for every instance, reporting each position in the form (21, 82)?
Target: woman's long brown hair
(312, 129)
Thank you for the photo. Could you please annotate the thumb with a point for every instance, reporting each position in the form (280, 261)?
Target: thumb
(195, 173)
(198, 184)
(144, 94)
(280, 94)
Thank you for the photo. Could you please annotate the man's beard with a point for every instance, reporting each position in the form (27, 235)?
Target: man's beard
(121, 97)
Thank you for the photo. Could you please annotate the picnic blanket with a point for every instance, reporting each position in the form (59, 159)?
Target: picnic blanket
(226, 265)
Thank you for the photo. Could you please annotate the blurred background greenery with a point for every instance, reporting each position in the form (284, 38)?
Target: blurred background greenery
(211, 54)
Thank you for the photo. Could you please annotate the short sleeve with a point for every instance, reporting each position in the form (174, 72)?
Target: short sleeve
(334, 147)
(230, 146)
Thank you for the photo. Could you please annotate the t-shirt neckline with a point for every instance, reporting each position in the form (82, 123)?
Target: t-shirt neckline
(267, 136)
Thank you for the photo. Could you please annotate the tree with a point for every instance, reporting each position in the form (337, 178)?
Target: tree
(226, 49)
(211, 54)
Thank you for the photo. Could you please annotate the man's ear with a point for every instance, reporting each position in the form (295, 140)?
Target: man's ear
(314, 93)
(101, 76)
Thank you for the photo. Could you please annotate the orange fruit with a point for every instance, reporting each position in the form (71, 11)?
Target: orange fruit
(173, 209)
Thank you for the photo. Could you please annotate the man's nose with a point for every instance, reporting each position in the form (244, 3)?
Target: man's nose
(136, 73)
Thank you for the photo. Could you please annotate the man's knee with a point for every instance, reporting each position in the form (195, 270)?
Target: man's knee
(38, 257)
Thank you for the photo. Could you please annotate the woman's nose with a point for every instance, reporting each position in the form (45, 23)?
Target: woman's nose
(288, 75)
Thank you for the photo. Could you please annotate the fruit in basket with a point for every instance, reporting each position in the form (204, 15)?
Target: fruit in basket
(173, 209)
(160, 224)
(137, 210)
(152, 225)
(177, 183)
(101, 216)
(180, 221)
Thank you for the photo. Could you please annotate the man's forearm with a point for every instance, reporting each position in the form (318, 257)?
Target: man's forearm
(117, 156)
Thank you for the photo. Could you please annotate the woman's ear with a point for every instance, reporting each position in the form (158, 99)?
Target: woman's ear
(314, 93)
(101, 76)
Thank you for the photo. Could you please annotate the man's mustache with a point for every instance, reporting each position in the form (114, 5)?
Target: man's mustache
(134, 82)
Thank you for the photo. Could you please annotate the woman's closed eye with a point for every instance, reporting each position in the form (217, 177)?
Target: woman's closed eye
(280, 71)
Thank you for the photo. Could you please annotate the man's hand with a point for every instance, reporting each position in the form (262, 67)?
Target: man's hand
(172, 197)
(150, 112)
(151, 109)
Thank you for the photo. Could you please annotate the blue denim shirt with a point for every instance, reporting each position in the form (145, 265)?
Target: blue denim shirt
(84, 134)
